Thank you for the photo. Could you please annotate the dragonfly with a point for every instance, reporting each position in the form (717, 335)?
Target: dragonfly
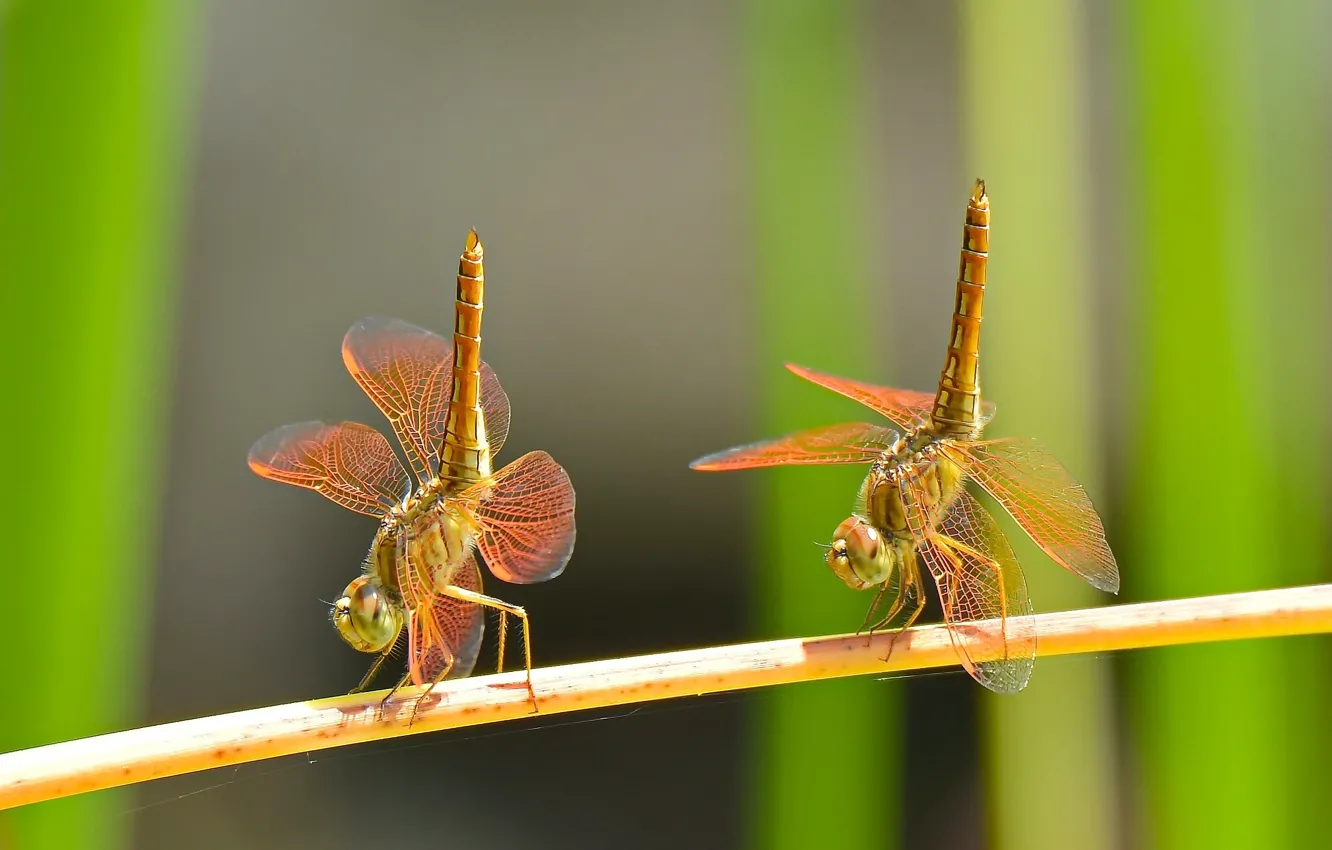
(914, 507)
(451, 417)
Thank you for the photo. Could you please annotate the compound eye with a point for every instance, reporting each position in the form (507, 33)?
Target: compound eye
(862, 543)
(845, 528)
(366, 603)
(365, 617)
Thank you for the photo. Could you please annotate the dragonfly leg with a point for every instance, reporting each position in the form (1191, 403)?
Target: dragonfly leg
(869, 615)
(373, 671)
(903, 591)
(503, 607)
(383, 703)
(439, 677)
(503, 634)
(992, 564)
(911, 580)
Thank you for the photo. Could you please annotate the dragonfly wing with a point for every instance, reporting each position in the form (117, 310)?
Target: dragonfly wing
(852, 442)
(408, 373)
(979, 578)
(905, 408)
(1046, 500)
(447, 631)
(495, 407)
(526, 515)
(350, 463)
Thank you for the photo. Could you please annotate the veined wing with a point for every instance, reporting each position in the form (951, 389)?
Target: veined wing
(350, 463)
(904, 408)
(447, 631)
(525, 512)
(1050, 505)
(407, 372)
(979, 578)
(495, 407)
(851, 442)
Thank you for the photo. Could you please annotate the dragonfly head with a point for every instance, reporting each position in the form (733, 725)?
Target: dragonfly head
(859, 555)
(365, 617)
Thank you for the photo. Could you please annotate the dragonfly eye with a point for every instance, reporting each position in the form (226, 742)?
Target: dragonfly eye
(847, 552)
(859, 555)
(365, 618)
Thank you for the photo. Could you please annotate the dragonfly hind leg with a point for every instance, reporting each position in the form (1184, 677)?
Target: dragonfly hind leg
(505, 608)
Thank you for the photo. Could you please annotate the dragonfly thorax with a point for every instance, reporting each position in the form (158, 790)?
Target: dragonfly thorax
(909, 486)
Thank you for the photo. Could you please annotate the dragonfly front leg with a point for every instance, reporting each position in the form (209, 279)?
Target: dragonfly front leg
(373, 671)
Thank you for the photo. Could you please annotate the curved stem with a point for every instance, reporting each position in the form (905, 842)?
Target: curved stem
(122, 758)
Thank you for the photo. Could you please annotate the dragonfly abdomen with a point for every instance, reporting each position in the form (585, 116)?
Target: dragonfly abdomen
(957, 402)
(466, 454)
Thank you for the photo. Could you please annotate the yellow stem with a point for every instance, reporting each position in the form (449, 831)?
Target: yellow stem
(122, 758)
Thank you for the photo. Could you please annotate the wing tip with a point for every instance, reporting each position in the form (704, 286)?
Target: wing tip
(1110, 584)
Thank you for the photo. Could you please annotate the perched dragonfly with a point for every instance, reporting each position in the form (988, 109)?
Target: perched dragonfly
(451, 416)
(914, 507)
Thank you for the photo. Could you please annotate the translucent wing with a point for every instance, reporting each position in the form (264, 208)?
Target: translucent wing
(495, 406)
(526, 515)
(447, 630)
(1050, 505)
(905, 408)
(408, 373)
(852, 442)
(979, 579)
(350, 463)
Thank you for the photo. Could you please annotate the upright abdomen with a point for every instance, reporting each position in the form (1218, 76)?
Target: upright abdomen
(466, 455)
(957, 403)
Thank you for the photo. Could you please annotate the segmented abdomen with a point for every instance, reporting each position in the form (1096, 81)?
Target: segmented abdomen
(466, 455)
(957, 402)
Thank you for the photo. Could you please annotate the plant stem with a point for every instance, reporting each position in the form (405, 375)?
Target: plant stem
(122, 758)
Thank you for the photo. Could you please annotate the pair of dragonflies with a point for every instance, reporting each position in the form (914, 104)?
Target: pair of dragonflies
(451, 416)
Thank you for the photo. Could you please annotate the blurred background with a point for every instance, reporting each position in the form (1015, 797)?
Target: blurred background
(197, 200)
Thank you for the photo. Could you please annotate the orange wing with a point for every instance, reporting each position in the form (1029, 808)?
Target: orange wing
(904, 408)
(526, 516)
(495, 407)
(447, 633)
(408, 373)
(852, 442)
(1050, 505)
(350, 463)
(979, 578)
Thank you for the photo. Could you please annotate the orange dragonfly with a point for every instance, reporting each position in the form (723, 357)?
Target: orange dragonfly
(914, 507)
(451, 416)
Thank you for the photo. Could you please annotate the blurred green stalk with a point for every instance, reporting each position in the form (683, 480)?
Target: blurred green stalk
(1049, 751)
(825, 773)
(1230, 204)
(92, 119)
